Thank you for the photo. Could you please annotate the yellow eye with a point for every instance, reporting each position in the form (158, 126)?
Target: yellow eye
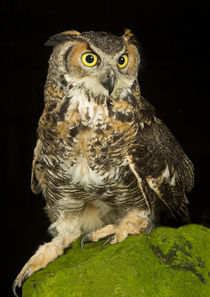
(122, 61)
(89, 59)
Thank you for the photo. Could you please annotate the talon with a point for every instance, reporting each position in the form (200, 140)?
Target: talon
(149, 228)
(14, 287)
(84, 239)
(108, 240)
(25, 276)
(19, 281)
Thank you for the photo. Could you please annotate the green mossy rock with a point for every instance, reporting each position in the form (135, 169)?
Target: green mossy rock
(167, 263)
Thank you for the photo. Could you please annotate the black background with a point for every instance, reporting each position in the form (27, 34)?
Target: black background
(174, 76)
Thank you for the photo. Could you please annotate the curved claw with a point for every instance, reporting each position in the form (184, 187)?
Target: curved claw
(84, 239)
(14, 287)
(19, 281)
(25, 276)
(108, 240)
(149, 228)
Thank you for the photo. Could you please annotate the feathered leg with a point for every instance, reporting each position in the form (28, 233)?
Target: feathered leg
(133, 223)
(68, 231)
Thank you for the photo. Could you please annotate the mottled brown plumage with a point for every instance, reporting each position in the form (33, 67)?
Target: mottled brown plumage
(104, 162)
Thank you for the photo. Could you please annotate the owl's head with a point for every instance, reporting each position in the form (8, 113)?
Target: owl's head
(99, 62)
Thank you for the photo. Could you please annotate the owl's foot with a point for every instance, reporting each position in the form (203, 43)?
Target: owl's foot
(43, 256)
(132, 224)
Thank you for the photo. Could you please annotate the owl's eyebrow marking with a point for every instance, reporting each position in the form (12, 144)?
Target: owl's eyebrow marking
(106, 42)
(92, 51)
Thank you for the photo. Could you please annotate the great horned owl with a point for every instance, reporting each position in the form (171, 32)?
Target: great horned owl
(103, 161)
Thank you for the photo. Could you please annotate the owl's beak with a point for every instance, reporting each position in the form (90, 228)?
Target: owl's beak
(109, 83)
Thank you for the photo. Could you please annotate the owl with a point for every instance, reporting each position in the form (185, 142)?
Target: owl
(104, 162)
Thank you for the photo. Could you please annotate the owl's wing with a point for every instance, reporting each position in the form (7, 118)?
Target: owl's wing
(38, 169)
(160, 164)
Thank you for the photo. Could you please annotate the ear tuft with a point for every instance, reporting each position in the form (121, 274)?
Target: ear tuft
(70, 35)
(129, 37)
(127, 34)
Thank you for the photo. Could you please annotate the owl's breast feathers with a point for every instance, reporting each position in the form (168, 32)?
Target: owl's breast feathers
(82, 124)
(115, 145)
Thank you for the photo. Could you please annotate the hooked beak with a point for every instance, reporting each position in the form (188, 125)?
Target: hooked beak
(109, 83)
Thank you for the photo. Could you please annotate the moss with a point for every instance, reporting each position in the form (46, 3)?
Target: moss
(167, 263)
